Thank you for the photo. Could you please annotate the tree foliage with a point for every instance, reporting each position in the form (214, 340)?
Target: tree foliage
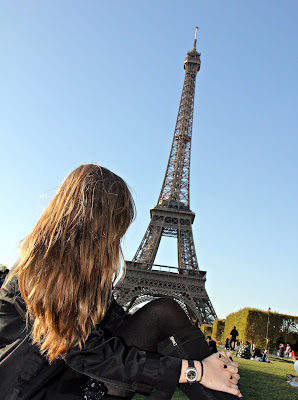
(2, 267)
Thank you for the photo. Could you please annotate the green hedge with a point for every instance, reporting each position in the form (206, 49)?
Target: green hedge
(206, 329)
(251, 324)
(239, 320)
(218, 330)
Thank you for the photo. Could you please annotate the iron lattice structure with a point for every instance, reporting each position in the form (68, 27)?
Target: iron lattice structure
(172, 217)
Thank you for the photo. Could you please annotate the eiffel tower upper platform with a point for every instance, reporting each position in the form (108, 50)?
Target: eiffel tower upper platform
(172, 217)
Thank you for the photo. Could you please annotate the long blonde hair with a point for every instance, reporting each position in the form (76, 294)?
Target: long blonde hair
(71, 259)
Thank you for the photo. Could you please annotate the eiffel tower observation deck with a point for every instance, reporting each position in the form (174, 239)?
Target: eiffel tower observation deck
(172, 217)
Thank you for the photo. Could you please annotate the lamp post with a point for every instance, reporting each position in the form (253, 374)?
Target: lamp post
(268, 322)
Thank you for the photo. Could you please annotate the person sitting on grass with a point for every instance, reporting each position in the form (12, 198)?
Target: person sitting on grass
(257, 353)
(244, 351)
(62, 333)
(265, 357)
(258, 356)
(211, 344)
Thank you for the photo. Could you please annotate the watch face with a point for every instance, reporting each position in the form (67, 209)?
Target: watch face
(191, 374)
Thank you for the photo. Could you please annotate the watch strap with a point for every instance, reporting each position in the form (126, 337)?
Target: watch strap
(202, 371)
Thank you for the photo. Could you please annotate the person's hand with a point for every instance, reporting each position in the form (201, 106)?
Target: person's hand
(221, 373)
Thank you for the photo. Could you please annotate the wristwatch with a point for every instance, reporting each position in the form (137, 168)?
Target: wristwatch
(191, 373)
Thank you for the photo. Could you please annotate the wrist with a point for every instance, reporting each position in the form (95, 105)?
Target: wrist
(199, 369)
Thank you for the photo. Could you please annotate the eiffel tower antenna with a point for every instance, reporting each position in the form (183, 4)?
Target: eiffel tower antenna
(172, 217)
(195, 40)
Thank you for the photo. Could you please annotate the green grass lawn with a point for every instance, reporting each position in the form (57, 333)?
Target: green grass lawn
(264, 381)
(259, 381)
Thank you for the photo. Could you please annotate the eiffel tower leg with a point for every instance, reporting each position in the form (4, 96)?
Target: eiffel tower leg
(186, 250)
(147, 250)
(188, 261)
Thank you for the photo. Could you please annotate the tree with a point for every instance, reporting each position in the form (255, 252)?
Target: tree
(3, 267)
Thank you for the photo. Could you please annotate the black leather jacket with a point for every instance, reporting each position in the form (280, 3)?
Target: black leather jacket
(25, 374)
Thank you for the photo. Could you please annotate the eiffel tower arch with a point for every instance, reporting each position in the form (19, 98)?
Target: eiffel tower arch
(172, 217)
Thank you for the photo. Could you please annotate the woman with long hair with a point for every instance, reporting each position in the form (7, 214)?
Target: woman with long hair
(63, 336)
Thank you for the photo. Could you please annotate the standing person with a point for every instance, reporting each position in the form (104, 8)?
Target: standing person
(234, 333)
(288, 350)
(227, 344)
(211, 344)
(281, 350)
(64, 337)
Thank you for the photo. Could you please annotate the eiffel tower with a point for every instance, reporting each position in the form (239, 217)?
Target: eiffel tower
(172, 217)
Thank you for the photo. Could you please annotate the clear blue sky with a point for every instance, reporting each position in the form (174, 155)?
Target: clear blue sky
(100, 81)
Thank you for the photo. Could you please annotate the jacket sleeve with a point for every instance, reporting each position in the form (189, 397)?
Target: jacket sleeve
(12, 313)
(109, 359)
